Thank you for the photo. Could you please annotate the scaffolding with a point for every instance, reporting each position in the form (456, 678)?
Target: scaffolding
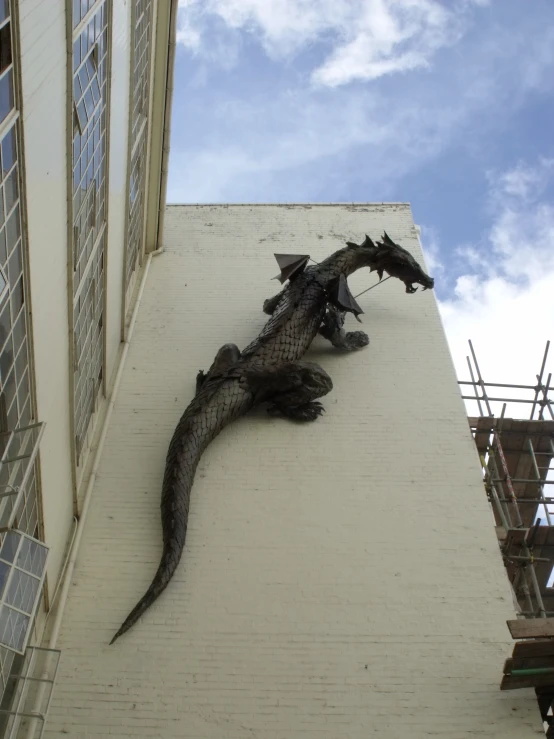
(517, 462)
(516, 452)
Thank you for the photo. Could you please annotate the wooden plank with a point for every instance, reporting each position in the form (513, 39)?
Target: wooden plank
(529, 628)
(509, 682)
(516, 537)
(527, 663)
(538, 648)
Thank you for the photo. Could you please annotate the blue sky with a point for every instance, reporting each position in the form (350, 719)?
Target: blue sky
(446, 104)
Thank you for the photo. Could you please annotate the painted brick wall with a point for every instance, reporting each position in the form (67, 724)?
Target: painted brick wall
(341, 579)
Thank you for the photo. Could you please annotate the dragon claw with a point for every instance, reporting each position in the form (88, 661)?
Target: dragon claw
(305, 412)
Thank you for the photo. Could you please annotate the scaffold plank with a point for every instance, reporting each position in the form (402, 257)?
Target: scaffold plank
(530, 628)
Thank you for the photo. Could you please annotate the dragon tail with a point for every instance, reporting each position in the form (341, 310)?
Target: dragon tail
(203, 420)
(166, 569)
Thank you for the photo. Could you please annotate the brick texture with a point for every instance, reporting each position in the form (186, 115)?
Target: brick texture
(341, 580)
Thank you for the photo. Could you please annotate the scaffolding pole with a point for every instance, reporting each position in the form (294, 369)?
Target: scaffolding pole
(540, 390)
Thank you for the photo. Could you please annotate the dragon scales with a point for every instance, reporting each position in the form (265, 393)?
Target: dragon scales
(270, 370)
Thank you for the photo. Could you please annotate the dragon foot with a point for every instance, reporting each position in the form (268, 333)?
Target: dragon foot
(291, 389)
(332, 330)
(271, 304)
(306, 412)
(355, 340)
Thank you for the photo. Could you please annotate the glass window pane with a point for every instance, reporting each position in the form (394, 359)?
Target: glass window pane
(21, 361)
(32, 558)
(22, 591)
(14, 266)
(3, 286)
(9, 546)
(81, 112)
(13, 628)
(5, 47)
(5, 327)
(13, 417)
(10, 388)
(18, 332)
(8, 152)
(76, 12)
(76, 55)
(6, 94)
(95, 90)
(89, 64)
(25, 420)
(3, 252)
(23, 391)
(11, 190)
(89, 103)
(4, 572)
(83, 79)
(4, 10)
(17, 298)
(13, 229)
(6, 359)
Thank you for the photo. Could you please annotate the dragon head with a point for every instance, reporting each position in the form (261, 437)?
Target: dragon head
(398, 262)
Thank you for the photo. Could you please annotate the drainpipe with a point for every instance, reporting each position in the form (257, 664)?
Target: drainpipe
(167, 119)
(73, 552)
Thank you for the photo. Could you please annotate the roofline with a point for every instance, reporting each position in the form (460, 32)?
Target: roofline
(287, 204)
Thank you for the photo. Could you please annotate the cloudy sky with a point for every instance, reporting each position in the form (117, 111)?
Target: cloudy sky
(446, 104)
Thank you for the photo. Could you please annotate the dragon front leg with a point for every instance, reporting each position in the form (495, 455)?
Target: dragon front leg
(292, 389)
(225, 357)
(332, 330)
(271, 304)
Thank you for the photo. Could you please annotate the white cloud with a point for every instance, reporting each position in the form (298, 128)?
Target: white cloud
(368, 38)
(505, 302)
(522, 182)
(286, 141)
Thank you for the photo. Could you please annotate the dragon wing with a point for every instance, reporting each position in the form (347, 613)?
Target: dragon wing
(291, 265)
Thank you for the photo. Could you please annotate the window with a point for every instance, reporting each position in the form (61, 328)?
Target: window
(140, 89)
(90, 74)
(18, 479)
(22, 570)
(18, 451)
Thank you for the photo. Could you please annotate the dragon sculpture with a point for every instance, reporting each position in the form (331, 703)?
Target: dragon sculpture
(270, 370)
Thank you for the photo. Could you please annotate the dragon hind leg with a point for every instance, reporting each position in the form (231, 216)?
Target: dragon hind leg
(292, 389)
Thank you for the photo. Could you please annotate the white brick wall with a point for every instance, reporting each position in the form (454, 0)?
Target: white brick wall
(341, 579)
